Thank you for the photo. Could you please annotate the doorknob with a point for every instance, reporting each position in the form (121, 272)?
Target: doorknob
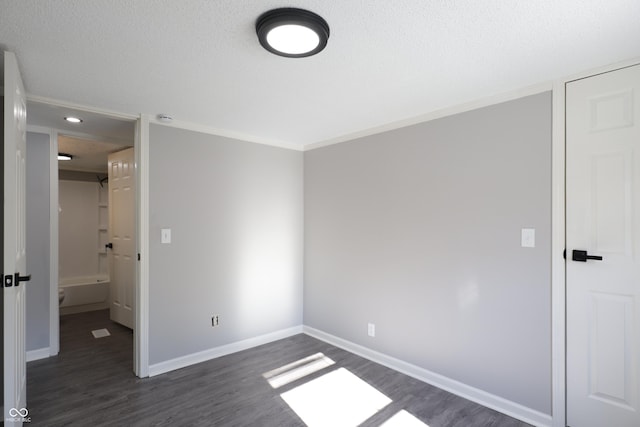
(109, 246)
(583, 256)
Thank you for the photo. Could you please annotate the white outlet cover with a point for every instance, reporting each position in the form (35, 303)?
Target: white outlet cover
(528, 238)
(371, 329)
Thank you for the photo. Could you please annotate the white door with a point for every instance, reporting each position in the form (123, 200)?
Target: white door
(603, 218)
(122, 235)
(15, 140)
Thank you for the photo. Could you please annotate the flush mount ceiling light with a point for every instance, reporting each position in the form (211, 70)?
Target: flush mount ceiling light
(72, 119)
(290, 32)
(64, 156)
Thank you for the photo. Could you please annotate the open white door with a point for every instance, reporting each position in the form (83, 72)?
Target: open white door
(603, 220)
(13, 276)
(122, 219)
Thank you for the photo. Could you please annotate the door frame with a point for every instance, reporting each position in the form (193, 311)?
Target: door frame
(558, 240)
(141, 150)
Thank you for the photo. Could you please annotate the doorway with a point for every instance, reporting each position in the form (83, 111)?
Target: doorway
(82, 276)
(91, 275)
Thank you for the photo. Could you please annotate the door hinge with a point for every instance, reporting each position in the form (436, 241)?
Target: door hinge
(138, 257)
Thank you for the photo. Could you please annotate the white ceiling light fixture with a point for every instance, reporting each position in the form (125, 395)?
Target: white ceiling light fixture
(72, 119)
(64, 156)
(293, 33)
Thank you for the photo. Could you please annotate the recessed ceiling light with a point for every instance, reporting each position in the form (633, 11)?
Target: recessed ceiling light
(290, 32)
(72, 119)
(64, 156)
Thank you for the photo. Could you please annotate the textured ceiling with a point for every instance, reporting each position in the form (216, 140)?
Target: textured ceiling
(90, 142)
(88, 155)
(108, 129)
(200, 61)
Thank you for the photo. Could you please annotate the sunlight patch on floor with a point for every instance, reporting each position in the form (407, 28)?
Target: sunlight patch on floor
(403, 419)
(296, 370)
(337, 399)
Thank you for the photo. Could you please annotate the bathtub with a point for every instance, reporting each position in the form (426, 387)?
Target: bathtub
(86, 293)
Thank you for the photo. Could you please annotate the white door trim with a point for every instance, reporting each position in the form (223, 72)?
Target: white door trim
(558, 385)
(141, 331)
(558, 240)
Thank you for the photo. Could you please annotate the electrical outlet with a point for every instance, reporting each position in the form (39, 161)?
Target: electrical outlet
(215, 320)
(371, 329)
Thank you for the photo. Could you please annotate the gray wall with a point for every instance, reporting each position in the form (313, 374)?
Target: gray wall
(68, 175)
(235, 210)
(83, 219)
(418, 231)
(38, 289)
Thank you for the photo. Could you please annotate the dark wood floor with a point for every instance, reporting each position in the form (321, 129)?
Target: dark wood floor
(90, 383)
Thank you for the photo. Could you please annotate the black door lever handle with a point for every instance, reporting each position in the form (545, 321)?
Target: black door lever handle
(583, 256)
(17, 278)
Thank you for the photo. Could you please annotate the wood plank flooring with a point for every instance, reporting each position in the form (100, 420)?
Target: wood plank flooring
(90, 383)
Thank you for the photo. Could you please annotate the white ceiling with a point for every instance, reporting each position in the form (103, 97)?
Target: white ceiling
(386, 61)
(94, 125)
(89, 155)
(90, 142)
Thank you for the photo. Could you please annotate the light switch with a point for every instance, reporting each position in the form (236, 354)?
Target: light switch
(165, 235)
(528, 238)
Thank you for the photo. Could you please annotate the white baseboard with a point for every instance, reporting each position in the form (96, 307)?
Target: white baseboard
(212, 353)
(41, 353)
(489, 400)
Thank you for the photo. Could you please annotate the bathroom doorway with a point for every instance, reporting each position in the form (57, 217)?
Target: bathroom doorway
(80, 193)
(93, 273)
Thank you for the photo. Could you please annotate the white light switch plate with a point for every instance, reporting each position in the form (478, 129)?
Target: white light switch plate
(528, 238)
(165, 235)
